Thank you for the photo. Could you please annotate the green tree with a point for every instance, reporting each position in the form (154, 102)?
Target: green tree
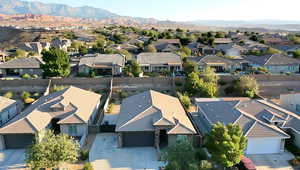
(296, 54)
(185, 100)
(248, 86)
(136, 69)
(49, 150)
(56, 63)
(150, 48)
(209, 75)
(180, 156)
(83, 50)
(185, 51)
(226, 144)
(197, 86)
(76, 44)
(127, 54)
(190, 66)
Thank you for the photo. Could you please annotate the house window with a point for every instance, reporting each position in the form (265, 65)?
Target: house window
(72, 129)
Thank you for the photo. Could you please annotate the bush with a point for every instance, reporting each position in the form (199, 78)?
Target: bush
(249, 93)
(185, 100)
(122, 94)
(178, 83)
(34, 76)
(56, 88)
(9, 95)
(229, 89)
(36, 95)
(26, 76)
(201, 154)
(88, 166)
(205, 165)
(222, 82)
(110, 108)
(29, 100)
(25, 95)
(84, 154)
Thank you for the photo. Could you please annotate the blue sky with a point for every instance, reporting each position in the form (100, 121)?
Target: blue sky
(187, 10)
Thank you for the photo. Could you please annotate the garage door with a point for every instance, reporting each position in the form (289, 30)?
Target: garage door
(135, 139)
(263, 146)
(17, 141)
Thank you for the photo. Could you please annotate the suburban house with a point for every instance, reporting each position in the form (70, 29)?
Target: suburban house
(68, 111)
(231, 50)
(154, 119)
(36, 47)
(8, 109)
(275, 64)
(207, 50)
(222, 41)
(102, 64)
(167, 45)
(265, 124)
(62, 44)
(220, 64)
(20, 66)
(157, 62)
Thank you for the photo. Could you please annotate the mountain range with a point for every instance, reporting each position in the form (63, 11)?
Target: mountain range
(22, 10)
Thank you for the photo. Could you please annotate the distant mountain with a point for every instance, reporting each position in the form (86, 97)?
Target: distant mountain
(24, 7)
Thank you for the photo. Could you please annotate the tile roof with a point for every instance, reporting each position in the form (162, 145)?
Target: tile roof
(71, 105)
(31, 62)
(272, 60)
(102, 59)
(222, 40)
(158, 58)
(5, 102)
(213, 59)
(144, 111)
(249, 114)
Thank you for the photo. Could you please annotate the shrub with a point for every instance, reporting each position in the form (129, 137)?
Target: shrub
(35, 76)
(9, 94)
(201, 154)
(88, 166)
(185, 100)
(84, 154)
(56, 88)
(249, 93)
(110, 108)
(29, 100)
(229, 89)
(222, 82)
(205, 165)
(122, 94)
(26, 76)
(178, 83)
(36, 95)
(25, 95)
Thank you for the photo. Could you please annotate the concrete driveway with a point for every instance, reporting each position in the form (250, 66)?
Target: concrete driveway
(272, 161)
(105, 155)
(12, 159)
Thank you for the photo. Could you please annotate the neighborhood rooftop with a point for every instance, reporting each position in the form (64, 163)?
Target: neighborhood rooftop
(31, 62)
(98, 59)
(158, 58)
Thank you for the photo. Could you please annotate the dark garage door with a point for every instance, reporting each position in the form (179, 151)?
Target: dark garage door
(17, 141)
(134, 139)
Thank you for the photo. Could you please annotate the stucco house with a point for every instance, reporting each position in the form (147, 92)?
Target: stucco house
(167, 45)
(102, 64)
(8, 110)
(220, 64)
(68, 111)
(275, 64)
(20, 66)
(61, 43)
(154, 119)
(36, 47)
(264, 123)
(157, 62)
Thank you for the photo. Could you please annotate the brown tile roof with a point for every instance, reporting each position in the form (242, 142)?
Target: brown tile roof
(71, 105)
(144, 111)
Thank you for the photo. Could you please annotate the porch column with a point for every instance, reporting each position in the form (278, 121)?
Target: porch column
(156, 138)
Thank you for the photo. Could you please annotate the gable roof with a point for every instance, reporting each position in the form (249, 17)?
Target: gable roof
(158, 58)
(144, 111)
(211, 59)
(5, 102)
(272, 60)
(92, 60)
(71, 105)
(31, 62)
(246, 113)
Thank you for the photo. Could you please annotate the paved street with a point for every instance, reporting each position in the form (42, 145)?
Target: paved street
(105, 155)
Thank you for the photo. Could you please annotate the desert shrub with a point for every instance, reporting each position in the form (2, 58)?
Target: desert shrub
(34, 76)
(26, 76)
(25, 95)
(84, 154)
(29, 100)
(8, 95)
(88, 166)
